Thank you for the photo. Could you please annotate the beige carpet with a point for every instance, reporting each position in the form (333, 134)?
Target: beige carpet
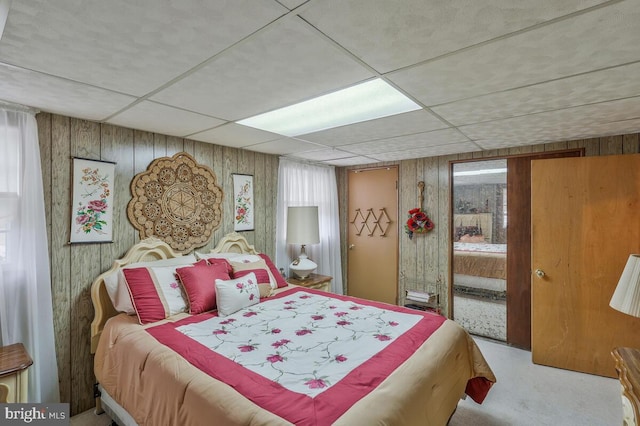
(532, 395)
(89, 418)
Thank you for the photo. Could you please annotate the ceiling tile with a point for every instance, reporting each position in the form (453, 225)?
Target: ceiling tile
(235, 135)
(44, 92)
(575, 45)
(571, 123)
(128, 46)
(500, 144)
(415, 141)
(164, 119)
(283, 146)
(613, 83)
(282, 65)
(352, 161)
(594, 130)
(292, 4)
(430, 151)
(400, 124)
(323, 154)
(393, 34)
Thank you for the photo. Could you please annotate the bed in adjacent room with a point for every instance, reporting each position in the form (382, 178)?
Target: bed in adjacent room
(271, 353)
(480, 265)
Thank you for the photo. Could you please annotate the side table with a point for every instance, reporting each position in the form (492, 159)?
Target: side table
(315, 281)
(14, 380)
(628, 367)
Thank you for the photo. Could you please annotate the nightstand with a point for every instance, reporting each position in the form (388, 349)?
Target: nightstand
(14, 362)
(315, 281)
(628, 367)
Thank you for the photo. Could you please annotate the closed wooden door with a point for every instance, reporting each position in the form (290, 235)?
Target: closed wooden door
(372, 255)
(585, 222)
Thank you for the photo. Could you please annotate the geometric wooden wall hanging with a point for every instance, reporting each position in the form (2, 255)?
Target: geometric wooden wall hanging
(176, 200)
(371, 222)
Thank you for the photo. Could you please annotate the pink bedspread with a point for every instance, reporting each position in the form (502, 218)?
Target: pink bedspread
(303, 355)
(157, 386)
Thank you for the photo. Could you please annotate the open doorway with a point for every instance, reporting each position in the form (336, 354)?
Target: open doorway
(479, 204)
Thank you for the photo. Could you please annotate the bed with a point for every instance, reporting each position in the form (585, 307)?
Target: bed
(480, 265)
(477, 261)
(298, 356)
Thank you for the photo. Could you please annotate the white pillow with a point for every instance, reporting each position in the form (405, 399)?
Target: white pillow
(116, 284)
(233, 295)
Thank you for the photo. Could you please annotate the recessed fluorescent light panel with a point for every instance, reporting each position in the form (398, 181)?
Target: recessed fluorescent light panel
(365, 101)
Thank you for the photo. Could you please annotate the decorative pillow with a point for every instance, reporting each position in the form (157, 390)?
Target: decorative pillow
(199, 283)
(155, 292)
(265, 290)
(262, 276)
(116, 284)
(262, 272)
(222, 262)
(235, 294)
(280, 281)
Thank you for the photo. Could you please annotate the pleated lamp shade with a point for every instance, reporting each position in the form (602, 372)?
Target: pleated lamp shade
(626, 297)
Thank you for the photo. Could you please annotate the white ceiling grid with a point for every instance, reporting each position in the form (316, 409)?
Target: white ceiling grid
(489, 74)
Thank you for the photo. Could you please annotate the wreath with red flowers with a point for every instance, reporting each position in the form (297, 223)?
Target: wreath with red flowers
(418, 223)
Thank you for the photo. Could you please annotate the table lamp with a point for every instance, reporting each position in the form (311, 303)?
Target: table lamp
(302, 228)
(626, 297)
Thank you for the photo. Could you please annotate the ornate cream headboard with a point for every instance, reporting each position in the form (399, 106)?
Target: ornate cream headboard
(234, 243)
(146, 250)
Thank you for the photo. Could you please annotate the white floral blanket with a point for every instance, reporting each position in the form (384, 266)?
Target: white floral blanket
(302, 351)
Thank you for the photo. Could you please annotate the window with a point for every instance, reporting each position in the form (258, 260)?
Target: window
(9, 185)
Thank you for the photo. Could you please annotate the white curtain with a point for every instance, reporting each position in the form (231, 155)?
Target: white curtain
(26, 312)
(301, 184)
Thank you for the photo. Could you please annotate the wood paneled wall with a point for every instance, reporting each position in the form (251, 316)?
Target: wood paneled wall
(425, 258)
(74, 267)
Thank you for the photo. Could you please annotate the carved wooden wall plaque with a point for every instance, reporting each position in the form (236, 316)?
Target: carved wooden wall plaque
(177, 200)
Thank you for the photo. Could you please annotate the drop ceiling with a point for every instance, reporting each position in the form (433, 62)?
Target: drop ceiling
(487, 74)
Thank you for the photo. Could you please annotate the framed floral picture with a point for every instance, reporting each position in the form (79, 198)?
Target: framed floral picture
(92, 202)
(243, 202)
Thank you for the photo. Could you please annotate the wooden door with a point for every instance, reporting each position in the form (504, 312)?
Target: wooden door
(372, 255)
(519, 245)
(585, 222)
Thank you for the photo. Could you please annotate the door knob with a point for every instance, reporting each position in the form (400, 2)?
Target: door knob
(351, 246)
(540, 273)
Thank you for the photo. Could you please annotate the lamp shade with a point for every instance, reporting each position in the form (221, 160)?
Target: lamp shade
(302, 228)
(302, 225)
(626, 297)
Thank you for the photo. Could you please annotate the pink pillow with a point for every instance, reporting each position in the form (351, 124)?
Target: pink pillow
(219, 261)
(280, 281)
(155, 292)
(199, 283)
